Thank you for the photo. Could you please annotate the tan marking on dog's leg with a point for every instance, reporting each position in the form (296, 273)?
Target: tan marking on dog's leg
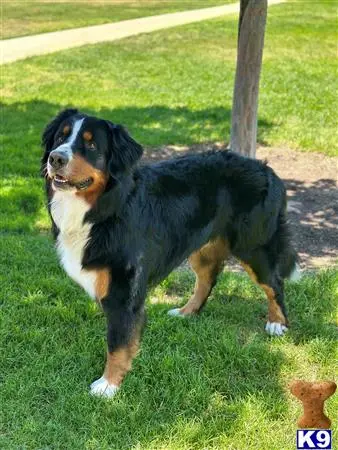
(249, 271)
(275, 314)
(206, 263)
(102, 283)
(120, 361)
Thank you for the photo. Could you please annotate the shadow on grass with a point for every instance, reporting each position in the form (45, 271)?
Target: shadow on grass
(153, 126)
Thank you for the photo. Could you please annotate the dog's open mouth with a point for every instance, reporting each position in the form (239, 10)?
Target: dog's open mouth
(61, 182)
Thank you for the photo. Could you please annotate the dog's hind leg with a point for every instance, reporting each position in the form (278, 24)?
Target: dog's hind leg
(267, 276)
(207, 262)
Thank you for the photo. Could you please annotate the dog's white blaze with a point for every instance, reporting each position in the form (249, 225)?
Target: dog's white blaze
(67, 146)
(68, 212)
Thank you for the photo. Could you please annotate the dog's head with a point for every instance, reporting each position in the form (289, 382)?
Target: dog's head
(83, 152)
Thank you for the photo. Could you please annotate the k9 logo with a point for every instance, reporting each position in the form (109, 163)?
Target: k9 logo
(314, 439)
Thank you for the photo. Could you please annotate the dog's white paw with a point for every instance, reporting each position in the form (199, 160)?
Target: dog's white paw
(102, 388)
(275, 328)
(175, 312)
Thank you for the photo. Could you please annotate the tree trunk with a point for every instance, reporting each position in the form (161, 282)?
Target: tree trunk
(251, 31)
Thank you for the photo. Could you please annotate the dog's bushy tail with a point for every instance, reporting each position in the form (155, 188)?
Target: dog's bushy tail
(289, 266)
(288, 260)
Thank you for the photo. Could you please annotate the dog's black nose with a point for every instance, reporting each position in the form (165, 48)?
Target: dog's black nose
(58, 159)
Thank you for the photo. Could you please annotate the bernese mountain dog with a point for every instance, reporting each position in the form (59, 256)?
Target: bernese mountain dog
(121, 227)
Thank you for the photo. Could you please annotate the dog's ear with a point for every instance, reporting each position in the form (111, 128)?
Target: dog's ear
(51, 129)
(125, 151)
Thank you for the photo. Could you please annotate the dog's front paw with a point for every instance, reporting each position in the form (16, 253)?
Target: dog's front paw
(102, 388)
(275, 328)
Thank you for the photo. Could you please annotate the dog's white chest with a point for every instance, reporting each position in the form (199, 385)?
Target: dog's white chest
(70, 249)
(68, 212)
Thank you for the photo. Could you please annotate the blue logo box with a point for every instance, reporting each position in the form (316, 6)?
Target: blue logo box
(314, 439)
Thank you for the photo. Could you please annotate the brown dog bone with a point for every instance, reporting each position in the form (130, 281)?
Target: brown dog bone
(313, 396)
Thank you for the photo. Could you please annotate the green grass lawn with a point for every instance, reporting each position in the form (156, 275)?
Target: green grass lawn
(216, 381)
(21, 18)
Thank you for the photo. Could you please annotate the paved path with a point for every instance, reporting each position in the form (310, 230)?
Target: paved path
(40, 44)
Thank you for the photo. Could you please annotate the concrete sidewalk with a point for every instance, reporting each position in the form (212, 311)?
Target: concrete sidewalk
(40, 44)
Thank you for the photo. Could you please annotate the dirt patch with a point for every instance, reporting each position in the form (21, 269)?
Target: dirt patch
(311, 181)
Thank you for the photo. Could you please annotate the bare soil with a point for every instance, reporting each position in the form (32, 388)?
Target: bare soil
(311, 181)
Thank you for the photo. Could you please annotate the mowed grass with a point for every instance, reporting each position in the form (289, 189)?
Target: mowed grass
(21, 18)
(215, 381)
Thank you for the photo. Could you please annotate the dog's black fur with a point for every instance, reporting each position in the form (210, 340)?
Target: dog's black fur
(151, 217)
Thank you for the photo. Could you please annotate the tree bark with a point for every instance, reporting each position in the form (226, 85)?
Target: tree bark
(251, 32)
